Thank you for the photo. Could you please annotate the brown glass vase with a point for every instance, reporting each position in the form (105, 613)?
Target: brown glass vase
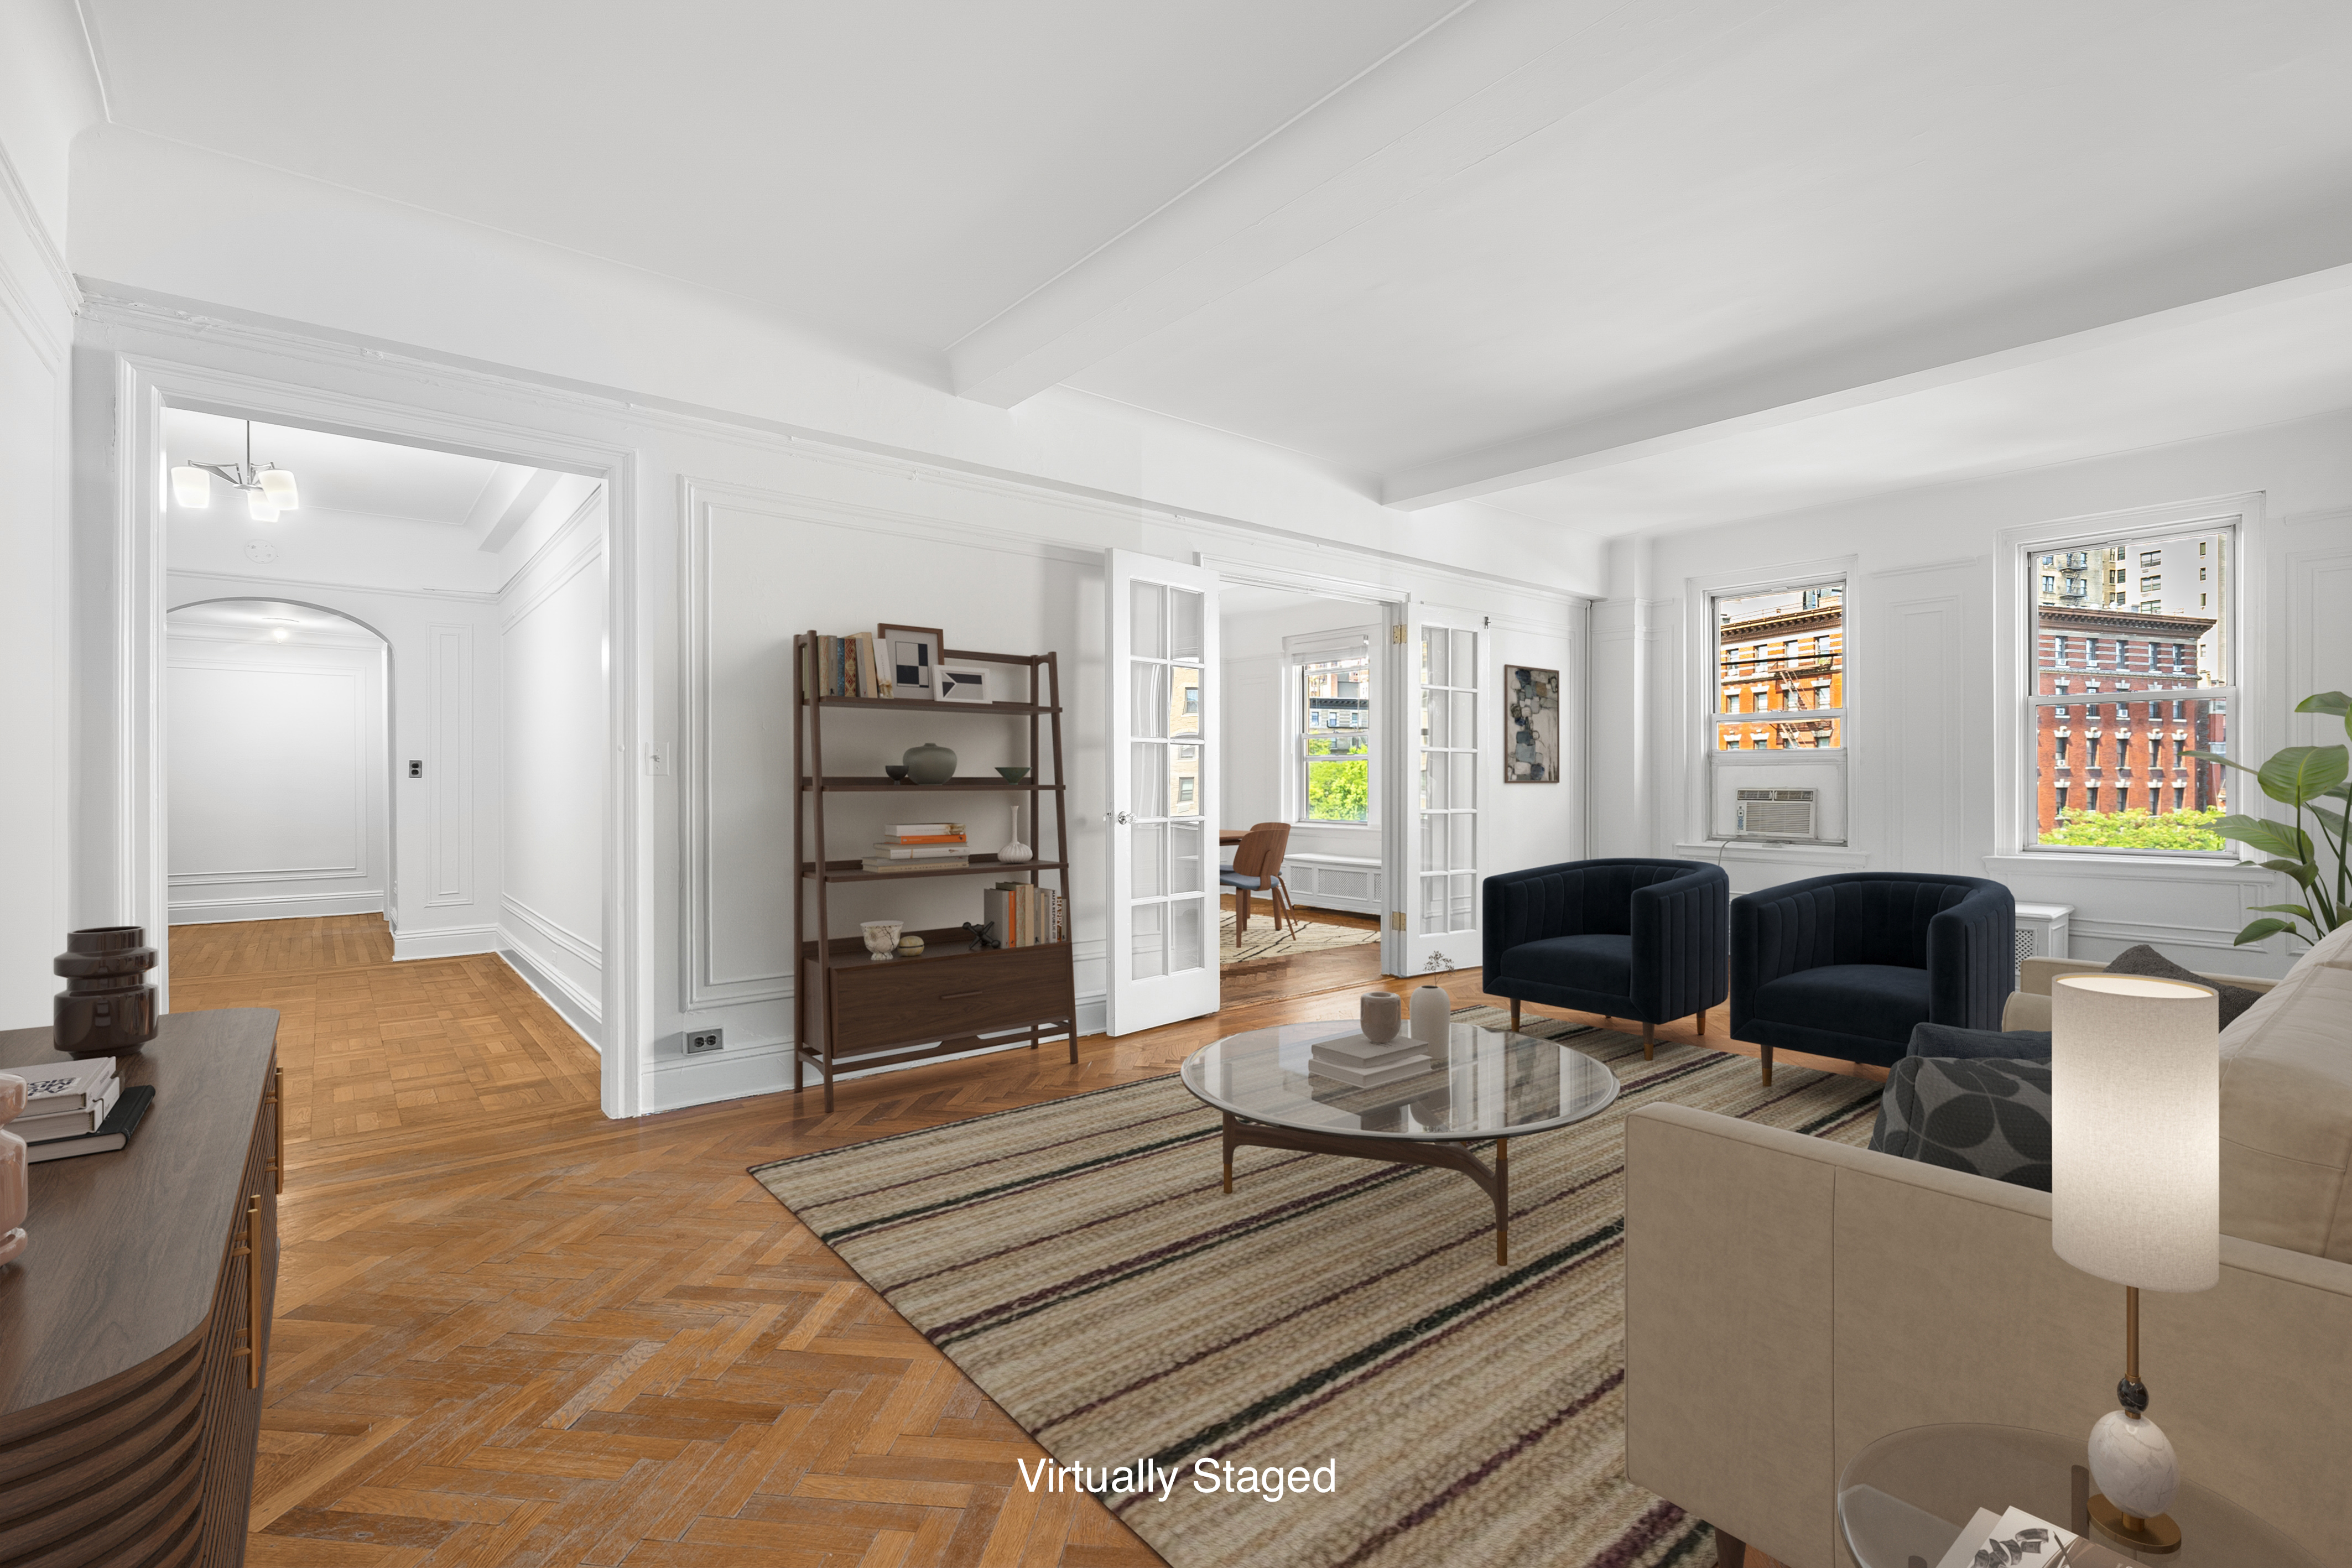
(106, 1008)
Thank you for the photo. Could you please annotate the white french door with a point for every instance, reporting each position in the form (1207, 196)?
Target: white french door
(1161, 653)
(1433, 920)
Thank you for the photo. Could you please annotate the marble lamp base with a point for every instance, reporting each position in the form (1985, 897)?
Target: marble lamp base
(2137, 1474)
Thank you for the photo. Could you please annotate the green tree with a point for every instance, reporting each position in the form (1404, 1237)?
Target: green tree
(2137, 830)
(1338, 792)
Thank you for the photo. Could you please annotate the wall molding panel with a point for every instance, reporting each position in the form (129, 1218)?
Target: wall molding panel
(449, 763)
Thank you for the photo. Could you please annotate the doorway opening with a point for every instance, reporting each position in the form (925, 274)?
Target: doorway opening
(1304, 785)
(385, 699)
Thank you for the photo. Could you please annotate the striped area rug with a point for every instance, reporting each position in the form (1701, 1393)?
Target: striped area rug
(1078, 1262)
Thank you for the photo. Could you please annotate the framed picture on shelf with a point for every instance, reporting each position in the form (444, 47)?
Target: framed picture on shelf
(1531, 739)
(960, 683)
(910, 660)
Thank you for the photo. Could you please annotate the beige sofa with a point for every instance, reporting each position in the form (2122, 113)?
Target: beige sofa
(1788, 1302)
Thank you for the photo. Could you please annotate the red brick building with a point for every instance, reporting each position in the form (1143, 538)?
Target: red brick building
(2119, 747)
(1777, 667)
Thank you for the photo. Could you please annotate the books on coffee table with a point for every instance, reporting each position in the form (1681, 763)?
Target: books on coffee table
(1362, 1064)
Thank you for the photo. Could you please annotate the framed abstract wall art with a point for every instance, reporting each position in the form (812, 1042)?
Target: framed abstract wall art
(909, 657)
(1530, 725)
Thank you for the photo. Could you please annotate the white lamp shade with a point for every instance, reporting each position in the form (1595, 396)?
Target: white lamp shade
(2135, 1130)
(278, 485)
(192, 486)
(258, 506)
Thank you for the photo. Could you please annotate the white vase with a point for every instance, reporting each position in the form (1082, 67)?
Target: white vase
(1015, 851)
(1433, 1018)
(881, 937)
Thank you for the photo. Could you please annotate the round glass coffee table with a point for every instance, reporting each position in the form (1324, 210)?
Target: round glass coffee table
(1905, 1500)
(1278, 1091)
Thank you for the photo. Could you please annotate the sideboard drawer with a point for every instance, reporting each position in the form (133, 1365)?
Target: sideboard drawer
(896, 1002)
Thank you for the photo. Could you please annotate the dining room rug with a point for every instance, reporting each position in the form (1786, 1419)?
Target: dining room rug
(1266, 939)
(1334, 1322)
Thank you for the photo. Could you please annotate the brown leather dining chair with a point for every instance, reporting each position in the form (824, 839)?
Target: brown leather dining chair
(1257, 868)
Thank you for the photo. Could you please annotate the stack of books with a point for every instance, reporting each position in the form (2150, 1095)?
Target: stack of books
(1025, 916)
(76, 1108)
(920, 846)
(1359, 1063)
(845, 667)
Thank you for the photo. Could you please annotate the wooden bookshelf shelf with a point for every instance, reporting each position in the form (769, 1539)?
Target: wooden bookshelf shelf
(853, 1011)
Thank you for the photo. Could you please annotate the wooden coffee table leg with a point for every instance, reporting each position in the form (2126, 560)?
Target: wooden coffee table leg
(1229, 1151)
(1502, 1200)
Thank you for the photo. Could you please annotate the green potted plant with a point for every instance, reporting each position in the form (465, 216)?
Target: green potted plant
(2306, 777)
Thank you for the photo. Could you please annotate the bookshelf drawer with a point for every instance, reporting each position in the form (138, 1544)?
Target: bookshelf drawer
(937, 999)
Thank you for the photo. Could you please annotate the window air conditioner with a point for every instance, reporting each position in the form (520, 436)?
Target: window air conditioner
(1775, 814)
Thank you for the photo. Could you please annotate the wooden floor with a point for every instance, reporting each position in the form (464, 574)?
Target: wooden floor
(1281, 976)
(510, 1332)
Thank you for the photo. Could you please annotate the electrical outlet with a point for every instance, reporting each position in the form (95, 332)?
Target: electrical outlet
(415, 767)
(700, 1040)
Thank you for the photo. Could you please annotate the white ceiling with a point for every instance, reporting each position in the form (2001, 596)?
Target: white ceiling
(337, 473)
(1610, 265)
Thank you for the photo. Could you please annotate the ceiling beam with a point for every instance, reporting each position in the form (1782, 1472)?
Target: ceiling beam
(2187, 287)
(1482, 77)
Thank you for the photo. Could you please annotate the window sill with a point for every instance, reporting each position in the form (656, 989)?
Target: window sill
(2126, 866)
(1824, 857)
(1339, 826)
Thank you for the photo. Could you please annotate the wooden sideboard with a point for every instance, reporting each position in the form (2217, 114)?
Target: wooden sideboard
(134, 1330)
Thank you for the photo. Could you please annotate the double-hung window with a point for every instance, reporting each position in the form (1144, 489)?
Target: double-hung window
(1780, 669)
(1334, 759)
(2174, 649)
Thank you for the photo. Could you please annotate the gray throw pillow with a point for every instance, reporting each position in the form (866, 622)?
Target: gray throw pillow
(2145, 960)
(1988, 1118)
(1950, 1040)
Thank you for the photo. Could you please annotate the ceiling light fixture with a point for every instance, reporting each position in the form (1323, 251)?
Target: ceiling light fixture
(269, 489)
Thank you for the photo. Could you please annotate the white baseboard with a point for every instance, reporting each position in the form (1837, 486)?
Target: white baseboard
(583, 1012)
(446, 942)
(274, 906)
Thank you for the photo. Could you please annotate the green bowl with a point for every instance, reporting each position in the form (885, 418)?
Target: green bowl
(1014, 774)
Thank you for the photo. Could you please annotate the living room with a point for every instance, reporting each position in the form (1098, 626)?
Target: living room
(1628, 378)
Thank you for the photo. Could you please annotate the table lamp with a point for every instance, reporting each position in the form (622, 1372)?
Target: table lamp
(2136, 1196)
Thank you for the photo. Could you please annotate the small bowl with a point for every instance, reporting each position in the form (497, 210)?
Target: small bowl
(1014, 774)
(897, 772)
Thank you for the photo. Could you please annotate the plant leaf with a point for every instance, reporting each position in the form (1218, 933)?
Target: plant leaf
(2283, 909)
(2224, 761)
(2335, 820)
(2256, 931)
(2298, 775)
(2335, 702)
(2271, 838)
(2303, 874)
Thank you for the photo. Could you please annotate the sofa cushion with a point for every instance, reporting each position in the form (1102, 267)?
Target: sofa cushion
(2145, 960)
(1879, 1001)
(2286, 1113)
(1980, 1044)
(1603, 962)
(1989, 1118)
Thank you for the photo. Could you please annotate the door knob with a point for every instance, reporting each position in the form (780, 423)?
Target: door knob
(1122, 816)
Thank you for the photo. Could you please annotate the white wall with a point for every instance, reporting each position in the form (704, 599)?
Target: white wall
(46, 95)
(1925, 697)
(552, 631)
(278, 777)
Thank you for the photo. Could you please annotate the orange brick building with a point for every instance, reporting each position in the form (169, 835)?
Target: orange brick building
(2103, 754)
(1778, 667)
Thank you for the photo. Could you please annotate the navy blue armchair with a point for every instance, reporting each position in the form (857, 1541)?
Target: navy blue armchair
(1624, 938)
(1845, 965)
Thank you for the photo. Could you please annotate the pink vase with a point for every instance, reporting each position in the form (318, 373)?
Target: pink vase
(13, 1190)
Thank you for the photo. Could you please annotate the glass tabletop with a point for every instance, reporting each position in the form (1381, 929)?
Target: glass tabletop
(1904, 1501)
(1490, 1083)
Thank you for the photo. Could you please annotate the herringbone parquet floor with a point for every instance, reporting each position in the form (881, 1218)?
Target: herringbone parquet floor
(512, 1334)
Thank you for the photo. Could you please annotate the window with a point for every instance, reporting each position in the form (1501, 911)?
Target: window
(1777, 680)
(2186, 654)
(1335, 738)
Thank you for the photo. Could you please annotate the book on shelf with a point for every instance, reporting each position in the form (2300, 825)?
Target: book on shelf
(943, 863)
(898, 852)
(844, 667)
(919, 832)
(112, 1134)
(1024, 915)
(51, 1087)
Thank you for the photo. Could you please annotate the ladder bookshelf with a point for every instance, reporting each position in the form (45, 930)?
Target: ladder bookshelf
(850, 1011)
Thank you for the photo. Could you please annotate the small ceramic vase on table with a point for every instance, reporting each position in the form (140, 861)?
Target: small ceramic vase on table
(1380, 1014)
(106, 1008)
(14, 1189)
(1433, 1018)
(881, 936)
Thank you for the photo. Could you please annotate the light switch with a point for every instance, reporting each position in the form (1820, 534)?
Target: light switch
(658, 758)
